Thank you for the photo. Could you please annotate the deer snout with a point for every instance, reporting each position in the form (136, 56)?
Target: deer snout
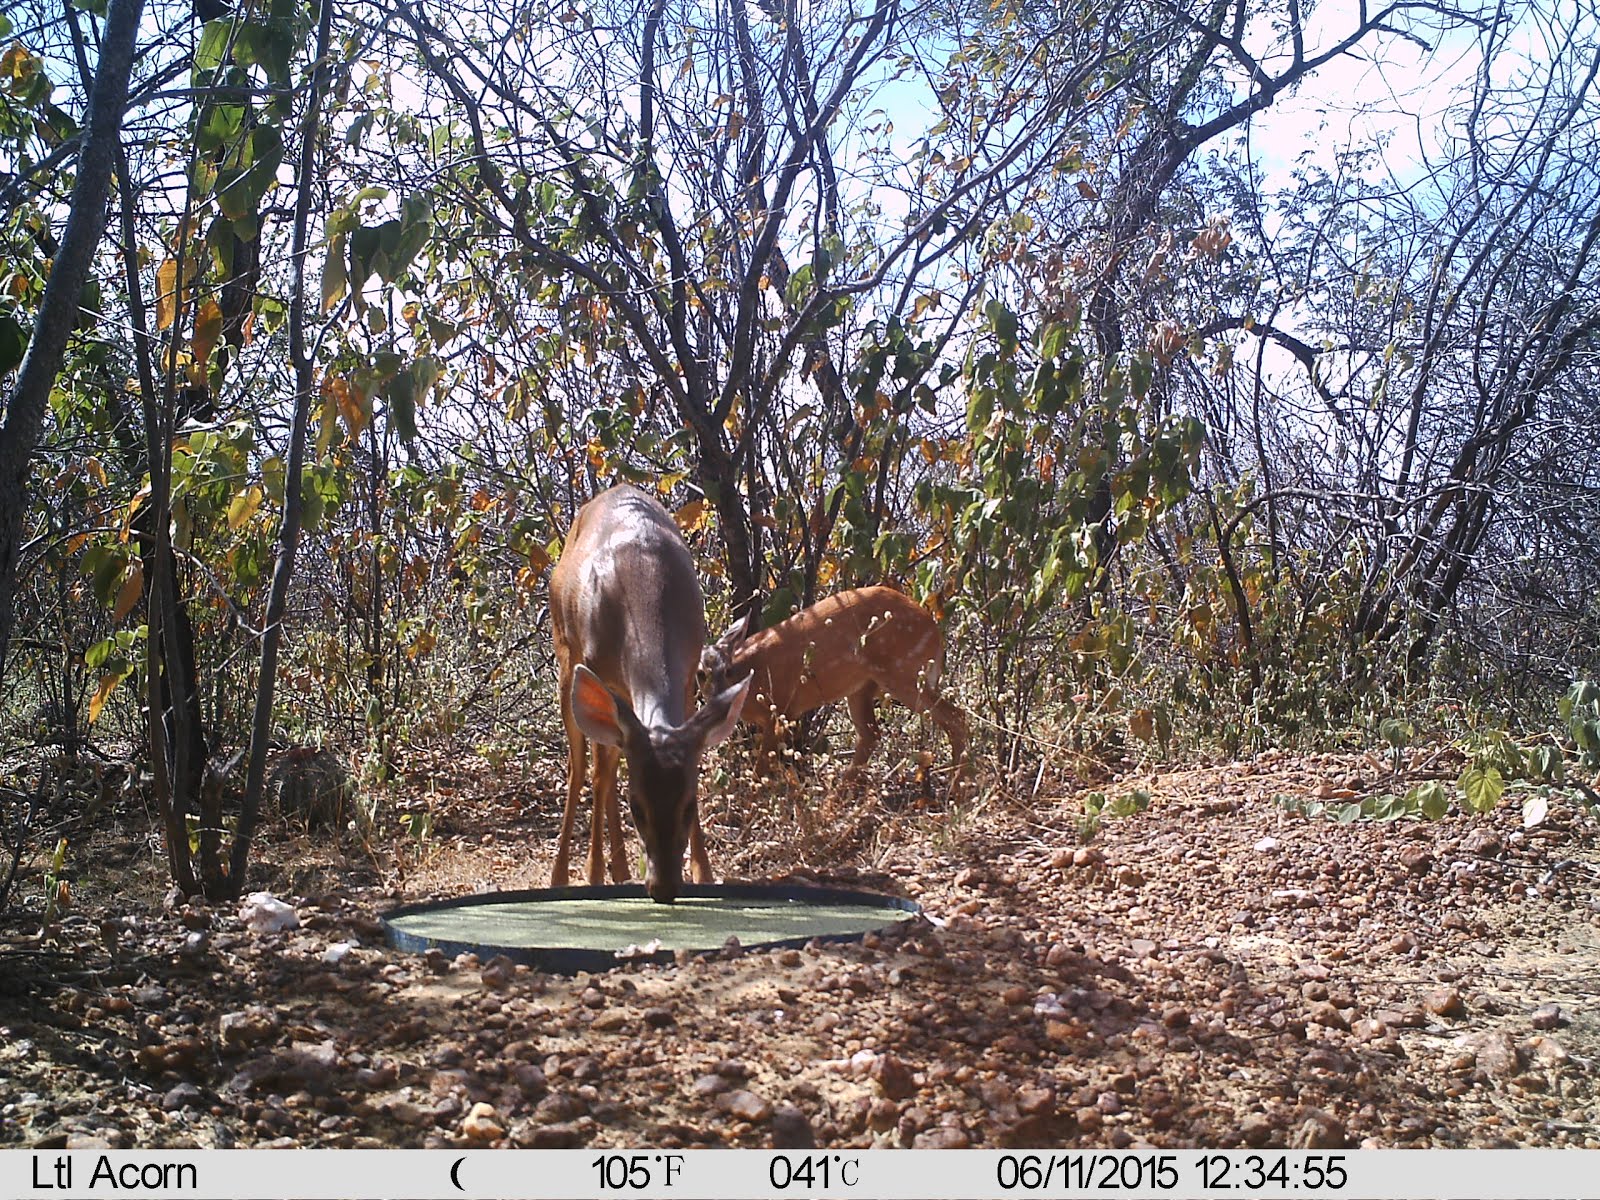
(662, 886)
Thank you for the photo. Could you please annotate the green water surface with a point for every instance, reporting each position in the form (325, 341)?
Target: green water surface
(693, 923)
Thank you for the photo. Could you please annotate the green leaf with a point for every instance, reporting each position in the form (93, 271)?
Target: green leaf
(1348, 814)
(1547, 764)
(1004, 323)
(106, 565)
(213, 44)
(267, 46)
(1140, 372)
(13, 343)
(1481, 788)
(1432, 798)
(1387, 807)
(401, 392)
(799, 285)
(1054, 339)
(271, 312)
(311, 503)
(1396, 733)
(219, 126)
(365, 247)
(273, 472)
(97, 655)
(241, 187)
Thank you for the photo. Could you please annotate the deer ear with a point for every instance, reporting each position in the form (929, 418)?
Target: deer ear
(716, 658)
(598, 712)
(737, 632)
(721, 713)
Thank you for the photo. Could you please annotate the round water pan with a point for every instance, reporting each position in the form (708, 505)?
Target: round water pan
(571, 929)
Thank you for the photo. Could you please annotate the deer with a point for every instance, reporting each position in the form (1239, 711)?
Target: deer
(850, 646)
(628, 619)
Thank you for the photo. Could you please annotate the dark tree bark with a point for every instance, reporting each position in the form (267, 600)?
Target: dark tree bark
(58, 311)
(289, 532)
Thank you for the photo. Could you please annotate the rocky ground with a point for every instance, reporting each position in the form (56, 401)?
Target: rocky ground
(1214, 971)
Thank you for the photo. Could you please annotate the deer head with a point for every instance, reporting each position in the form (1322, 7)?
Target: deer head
(663, 767)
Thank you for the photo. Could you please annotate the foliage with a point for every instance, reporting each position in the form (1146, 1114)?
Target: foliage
(1498, 766)
(991, 301)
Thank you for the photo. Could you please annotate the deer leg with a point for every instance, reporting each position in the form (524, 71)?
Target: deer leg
(577, 767)
(620, 872)
(606, 817)
(950, 719)
(699, 860)
(768, 744)
(863, 717)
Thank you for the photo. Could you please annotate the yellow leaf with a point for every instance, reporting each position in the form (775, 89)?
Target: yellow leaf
(335, 282)
(538, 560)
(244, 506)
(108, 684)
(130, 591)
(1142, 724)
(166, 293)
(691, 516)
(19, 66)
(139, 498)
(97, 471)
(207, 329)
(351, 403)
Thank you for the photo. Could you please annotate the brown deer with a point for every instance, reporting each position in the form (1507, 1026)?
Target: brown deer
(629, 623)
(847, 647)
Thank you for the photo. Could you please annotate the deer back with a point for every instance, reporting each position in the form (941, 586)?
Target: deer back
(832, 650)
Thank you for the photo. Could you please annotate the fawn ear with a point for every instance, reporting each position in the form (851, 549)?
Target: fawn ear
(715, 721)
(737, 632)
(716, 658)
(602, 715)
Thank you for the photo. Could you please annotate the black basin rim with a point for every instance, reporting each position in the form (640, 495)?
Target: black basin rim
(560, 960)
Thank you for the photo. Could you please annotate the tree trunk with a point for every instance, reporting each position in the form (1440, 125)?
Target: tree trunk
(289, 531)
(58, 311)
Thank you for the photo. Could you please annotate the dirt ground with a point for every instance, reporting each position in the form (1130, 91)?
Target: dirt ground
(1215, 971)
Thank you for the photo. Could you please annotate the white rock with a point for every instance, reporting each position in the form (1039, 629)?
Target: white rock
(1048, 1005)
(263, 912)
